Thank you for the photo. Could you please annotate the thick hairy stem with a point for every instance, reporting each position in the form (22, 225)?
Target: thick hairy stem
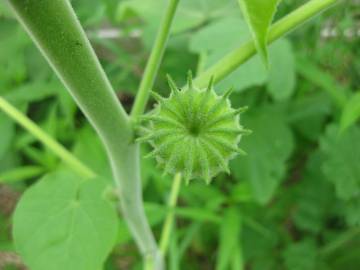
(53, 26)
(234, 59)
(153, 64)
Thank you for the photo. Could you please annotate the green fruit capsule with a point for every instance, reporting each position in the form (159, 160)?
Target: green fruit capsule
(194, 131)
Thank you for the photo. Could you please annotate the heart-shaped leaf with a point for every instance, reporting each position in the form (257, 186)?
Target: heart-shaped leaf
(64, 223)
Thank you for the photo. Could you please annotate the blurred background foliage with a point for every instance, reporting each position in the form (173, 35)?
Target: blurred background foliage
(292, 203)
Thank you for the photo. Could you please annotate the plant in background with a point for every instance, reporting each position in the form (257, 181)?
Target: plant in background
(66, 218)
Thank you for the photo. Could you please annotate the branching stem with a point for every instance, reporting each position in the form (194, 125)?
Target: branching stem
(53, 26)
(234, 59)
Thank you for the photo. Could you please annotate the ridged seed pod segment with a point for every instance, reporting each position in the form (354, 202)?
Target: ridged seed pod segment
(194, 131)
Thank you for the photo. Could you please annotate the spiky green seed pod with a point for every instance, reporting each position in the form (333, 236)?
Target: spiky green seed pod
(194, 131)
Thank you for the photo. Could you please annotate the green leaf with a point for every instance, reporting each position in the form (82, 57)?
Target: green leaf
(258, 250)
(309, 114)
(230, 33)
(282, 77)
(242, 192)
(301, 256)
(90, 12)
(190, 14)
(194, 13)
(341, 167)
(351, 212)
(4, 9)
(259, 15)
(90, 151)
(315, 197)
(62, 222)
(12, 60)
(351, 112)
(342, 156)
(229, 237)
(268, 148)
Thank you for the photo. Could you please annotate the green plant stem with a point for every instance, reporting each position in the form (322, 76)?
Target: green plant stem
(53, 25)
(38, 133)
(153, 64)
(21, 174)
(339, 242)
(234, 59)
(169, 220)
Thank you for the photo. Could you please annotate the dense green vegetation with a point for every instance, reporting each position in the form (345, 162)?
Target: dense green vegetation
(293, 202)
